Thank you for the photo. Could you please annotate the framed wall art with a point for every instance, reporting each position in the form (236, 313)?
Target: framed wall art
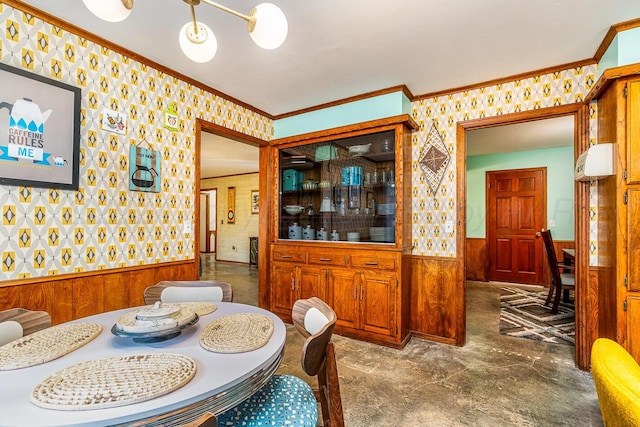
(39, 130)
(255, 202)
(144, 168)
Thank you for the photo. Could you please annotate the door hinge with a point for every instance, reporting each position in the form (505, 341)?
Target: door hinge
(624, 92)
(625, 281)
(624, 174)
(625, 198)
(624, 305)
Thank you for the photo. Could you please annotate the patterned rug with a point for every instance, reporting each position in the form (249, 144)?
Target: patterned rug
(524, 315)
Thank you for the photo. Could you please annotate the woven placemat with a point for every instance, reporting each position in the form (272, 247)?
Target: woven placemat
(114, 381)
(200, 308)
(46, 345)
(237, 333)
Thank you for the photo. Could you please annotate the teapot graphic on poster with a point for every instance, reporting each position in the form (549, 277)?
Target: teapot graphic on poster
(26, 129)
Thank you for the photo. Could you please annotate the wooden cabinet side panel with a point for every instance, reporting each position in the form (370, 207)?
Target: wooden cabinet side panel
(633, 132)
(436, 298)
(633, 318)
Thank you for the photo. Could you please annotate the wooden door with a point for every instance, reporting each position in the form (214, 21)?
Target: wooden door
(516, 210)
(377, 302)
(344, 287)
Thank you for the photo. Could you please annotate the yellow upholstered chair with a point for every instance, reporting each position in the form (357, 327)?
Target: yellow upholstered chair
(617, 378)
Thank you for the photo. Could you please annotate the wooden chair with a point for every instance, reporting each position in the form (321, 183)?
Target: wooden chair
(205, 420)
(18, 322)
(319, 356)
(559, 280)
(288, 400)
(189, 291)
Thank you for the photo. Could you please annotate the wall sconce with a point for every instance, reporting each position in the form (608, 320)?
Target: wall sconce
(266, 23)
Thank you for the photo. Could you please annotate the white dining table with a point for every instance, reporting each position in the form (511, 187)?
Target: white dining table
(221, 380)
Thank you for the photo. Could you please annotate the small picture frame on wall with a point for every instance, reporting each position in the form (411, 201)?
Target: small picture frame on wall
(255, 201)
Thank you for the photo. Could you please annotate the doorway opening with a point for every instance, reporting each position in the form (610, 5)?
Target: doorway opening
(473, 249)
(227, 175)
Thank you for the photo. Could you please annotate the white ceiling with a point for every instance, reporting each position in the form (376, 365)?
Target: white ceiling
(220, 156)
(548, 133)
(336, 49)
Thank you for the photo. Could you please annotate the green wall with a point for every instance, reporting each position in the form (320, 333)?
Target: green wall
(560, 187)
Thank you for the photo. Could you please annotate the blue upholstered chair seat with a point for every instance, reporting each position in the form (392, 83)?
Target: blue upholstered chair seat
(284, 401)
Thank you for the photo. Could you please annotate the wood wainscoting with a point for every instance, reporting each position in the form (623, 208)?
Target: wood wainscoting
(436, 300)
(477, 261)
(72, 296)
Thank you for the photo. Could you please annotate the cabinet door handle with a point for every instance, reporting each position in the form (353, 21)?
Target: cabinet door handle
(293, 284)
(355, 292)
(370, 263)
(286, 256)
(325, 259)
(361, 292)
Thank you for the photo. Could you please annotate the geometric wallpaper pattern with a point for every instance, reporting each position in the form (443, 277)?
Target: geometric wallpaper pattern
(432, 209)
(103, 225)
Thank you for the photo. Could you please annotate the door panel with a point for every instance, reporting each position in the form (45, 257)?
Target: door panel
(377, 303)
(343, 295)
(516, 210)
(311, 283)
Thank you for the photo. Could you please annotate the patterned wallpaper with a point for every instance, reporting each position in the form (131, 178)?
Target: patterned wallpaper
(431, 211)
(103, 225)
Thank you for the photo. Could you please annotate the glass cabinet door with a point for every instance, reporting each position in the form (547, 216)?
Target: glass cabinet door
(342, 190)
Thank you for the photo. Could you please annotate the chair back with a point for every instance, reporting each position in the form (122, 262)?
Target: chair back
(315, 320)
(616, 375)
(552, 259)
(189, 291)
(18, 322)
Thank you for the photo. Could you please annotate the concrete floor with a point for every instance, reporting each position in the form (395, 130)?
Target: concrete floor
(492, 380)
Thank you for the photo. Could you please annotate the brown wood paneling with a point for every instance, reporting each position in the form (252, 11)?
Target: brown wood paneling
(476, 259)
(436, 298)
(73, 296)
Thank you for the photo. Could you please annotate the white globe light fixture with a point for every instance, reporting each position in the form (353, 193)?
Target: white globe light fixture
(110, 10)
(199, 46)
(268, 26)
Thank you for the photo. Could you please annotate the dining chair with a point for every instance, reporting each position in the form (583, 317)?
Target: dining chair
(189, 291)
(560, 280)
(205, 420)
(18, 322)
(288, 400)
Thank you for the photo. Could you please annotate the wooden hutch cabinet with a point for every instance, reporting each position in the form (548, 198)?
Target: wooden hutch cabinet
(340, 226)
(618, 291)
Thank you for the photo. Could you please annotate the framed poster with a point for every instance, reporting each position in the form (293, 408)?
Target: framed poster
(144, 169)
(255, 202)
(39, 130)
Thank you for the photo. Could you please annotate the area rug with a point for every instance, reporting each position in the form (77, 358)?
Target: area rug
(524, 315)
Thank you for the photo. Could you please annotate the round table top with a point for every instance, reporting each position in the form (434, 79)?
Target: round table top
(215, 372)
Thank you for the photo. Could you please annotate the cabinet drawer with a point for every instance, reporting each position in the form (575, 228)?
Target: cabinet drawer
(339, 260)
(288, 256)
(370, 261)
